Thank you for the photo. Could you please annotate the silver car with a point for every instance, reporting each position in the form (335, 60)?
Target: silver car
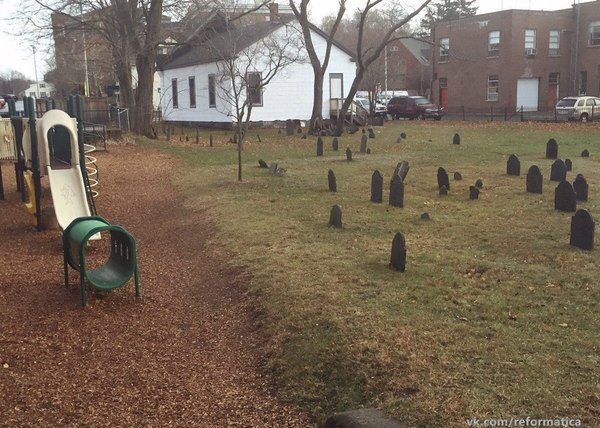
(579, 108)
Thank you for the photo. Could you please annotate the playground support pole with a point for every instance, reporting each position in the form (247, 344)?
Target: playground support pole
(35, 160)
(80, 141)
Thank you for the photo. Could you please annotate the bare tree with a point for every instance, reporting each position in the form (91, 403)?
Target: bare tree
(244, 72)
(367, 55)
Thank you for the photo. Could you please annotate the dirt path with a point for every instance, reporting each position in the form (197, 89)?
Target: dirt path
(182, 355)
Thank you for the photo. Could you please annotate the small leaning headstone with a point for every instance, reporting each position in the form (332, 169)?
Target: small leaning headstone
(513, 165)
(273, 168)
(425, 216)
(564, 197)
(398, 256)
(402, 169)
(442, 178)
(457, 176)
(363, 143)
(534, 179)
(582, 230)
(371, 133)
(558, 171)
(368, 150)
(479, 183)
(331, 181)
(348, 154)
(473, 192)
(585, 153)
(551, 149)
(443, 191)
(335, 144)
(456, 139)
(377, 187)
(335, 216)
(319, 146)
(289, 127)
(397, 192)
(262, 164)
(581, 188)
(569, 164)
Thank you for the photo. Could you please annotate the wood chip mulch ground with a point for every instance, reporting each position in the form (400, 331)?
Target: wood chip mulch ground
(184, 355)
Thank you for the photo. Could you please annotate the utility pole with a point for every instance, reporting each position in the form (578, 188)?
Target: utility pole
(37, 84)
(86, 88)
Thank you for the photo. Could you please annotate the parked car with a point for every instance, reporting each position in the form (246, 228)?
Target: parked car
(380, 109)
(579, 108)
(414, 107)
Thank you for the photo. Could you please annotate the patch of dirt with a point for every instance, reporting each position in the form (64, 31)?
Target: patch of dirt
(184, 354)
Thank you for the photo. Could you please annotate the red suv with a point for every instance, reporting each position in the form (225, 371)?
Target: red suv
(414, 107)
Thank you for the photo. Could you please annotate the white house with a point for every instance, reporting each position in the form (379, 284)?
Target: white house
(40, 90)
(193, 88)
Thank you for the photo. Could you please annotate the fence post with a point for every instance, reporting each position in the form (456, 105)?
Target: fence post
(492, 112)
(463, 113)
(555, 117)
(522, 118)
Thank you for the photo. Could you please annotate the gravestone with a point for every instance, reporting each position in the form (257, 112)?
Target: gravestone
(397, 192)
(569, 164)
(403, 135)
(331, 181)
(402, 169)
(558, 172)
(479, 183)
(259, 139)
(473, 192)
(377, 187)
(369, 151)
(398, 256)
(363, 143)
(398, 140)
(425, 216)
(564, 197)
(581, 188)
(513, 165)
(280, 172)
(335, 216)
(456, 139)
(319, 146)
(442, 178)
(335, 144)
(582, 230)
(262, 164)
(303, 136)
(289, 127)
(348, 154)
(551, 149)
(443, 191)
(273, 168)
(457, 176)
(371, 133)
(585, 153)
(534, 179)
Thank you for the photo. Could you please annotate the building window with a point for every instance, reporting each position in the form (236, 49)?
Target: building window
(443, 82)
(254, 91)
(192, 84)
(174, 93)
(494, 43)
(554, 42)
(444, 49)
(554, 78)
(212, 91)
(42, 85)
(595, 33)
(32, 94)
(530, 49)
(42, 95)
(492, 88)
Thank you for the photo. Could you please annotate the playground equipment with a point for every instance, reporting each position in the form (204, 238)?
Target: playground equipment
(119, 267)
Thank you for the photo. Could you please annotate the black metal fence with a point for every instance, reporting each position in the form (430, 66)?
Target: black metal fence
(507, 114)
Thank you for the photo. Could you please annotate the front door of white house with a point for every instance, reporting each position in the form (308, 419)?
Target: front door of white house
(528, 94)
(336, 86)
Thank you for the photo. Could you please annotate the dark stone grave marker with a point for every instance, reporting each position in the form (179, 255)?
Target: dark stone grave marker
(377, 187)
(425, 216)
(289, 127)
(348, 154)
(442, 178)
(368, 151)
(551, 149)
(585, 153)
(262, 164)
(457, 176)
(402, 169)
(479, 183)
(335, 144)
(319, 146)
(581, 188)
(564, 197)
(534, 179)
(210, 141)
(513, 165)
(331, 181)
(398, 256)
(582, 230)
(398, 140)
(335, 216)
(363, 143)
(456, 139)
(558, 172)
(371, 133)
(273, 168)
(569, 164)
(473, 192)
(403, 135)
(443, 191)
(397, 192)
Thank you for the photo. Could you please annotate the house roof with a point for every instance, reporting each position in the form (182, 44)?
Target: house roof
(214, 45)
(419, 49)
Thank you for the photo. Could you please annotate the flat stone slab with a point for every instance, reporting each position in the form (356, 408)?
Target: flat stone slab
(362, 418)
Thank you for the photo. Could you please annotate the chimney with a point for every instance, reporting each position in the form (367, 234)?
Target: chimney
(273, 12)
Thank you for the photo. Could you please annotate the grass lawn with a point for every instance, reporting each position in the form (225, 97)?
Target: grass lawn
(495, 316)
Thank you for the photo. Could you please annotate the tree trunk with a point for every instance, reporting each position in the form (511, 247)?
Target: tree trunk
(339, 126)
(142, 116)
(316, 118)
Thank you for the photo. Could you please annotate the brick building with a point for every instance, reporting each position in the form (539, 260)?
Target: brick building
(517, 58)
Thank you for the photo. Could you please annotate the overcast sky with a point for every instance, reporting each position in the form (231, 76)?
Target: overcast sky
(15, 55)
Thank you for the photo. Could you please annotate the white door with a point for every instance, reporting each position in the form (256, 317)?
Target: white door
(528, 94)
(336, 86)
